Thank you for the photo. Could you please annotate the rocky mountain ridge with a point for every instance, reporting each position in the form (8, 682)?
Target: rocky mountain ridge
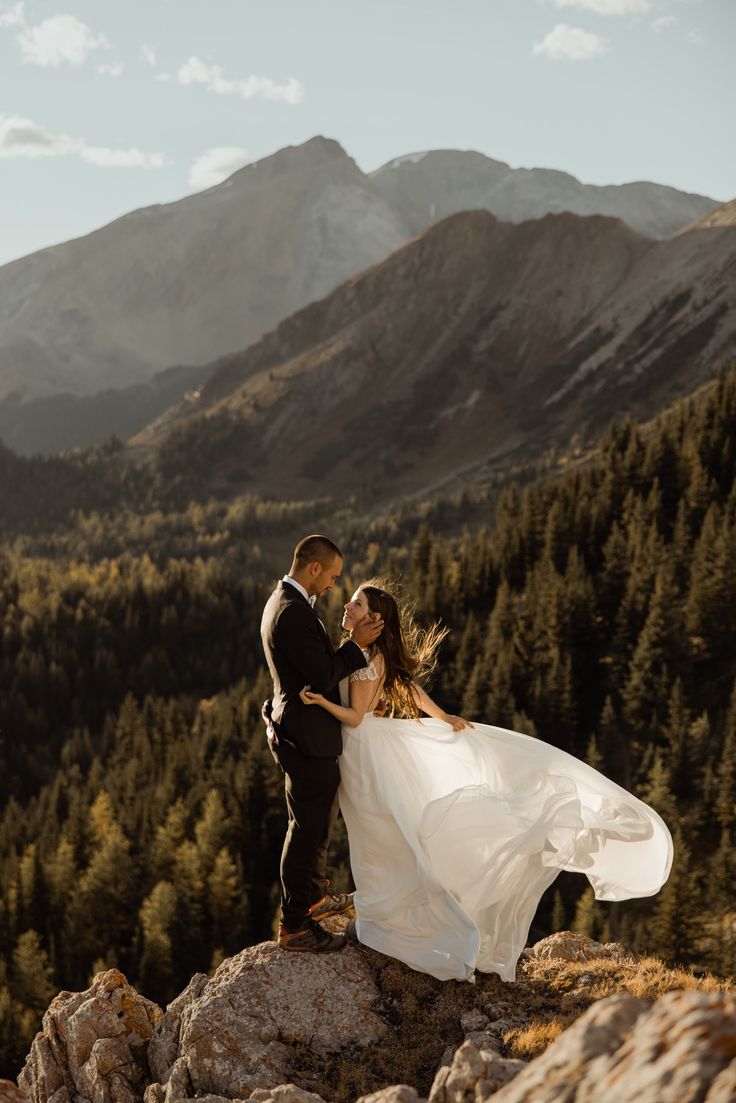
(477, 344)
(427, 187)
(269, 1026)
(186, 282)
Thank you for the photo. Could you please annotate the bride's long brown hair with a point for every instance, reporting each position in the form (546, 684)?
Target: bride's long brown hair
(409, 651)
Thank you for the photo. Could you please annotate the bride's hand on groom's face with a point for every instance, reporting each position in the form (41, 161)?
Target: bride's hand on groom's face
(367, 631)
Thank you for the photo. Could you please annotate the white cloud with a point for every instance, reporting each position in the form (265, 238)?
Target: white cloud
(59, 40)
(21, 137)
(196, 71)
(148, 54)
(695, 37)
(608, 7)
(121, 158)
(663, 22)
(114, 69)
(215, 165)
(565, 43)
(11, 15)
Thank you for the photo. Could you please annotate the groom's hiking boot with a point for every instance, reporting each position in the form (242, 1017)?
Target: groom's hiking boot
(311, 939)
(334, 903)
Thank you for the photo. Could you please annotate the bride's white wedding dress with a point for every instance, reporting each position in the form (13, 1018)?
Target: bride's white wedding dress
(454, 836)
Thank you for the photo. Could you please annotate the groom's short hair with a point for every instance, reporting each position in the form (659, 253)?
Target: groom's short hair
(315, 549)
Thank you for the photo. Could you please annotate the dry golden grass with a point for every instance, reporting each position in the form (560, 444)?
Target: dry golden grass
(528, 1042)
(647, 977)
(424, 1016)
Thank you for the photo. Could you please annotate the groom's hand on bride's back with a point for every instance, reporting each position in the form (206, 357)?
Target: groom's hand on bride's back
(367, 631)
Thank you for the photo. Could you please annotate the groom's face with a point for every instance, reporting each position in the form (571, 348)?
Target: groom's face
(327, 576)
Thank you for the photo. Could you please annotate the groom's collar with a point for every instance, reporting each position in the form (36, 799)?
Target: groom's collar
(311, 598)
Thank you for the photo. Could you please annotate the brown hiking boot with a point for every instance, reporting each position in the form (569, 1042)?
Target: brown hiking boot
(334, 903)
(310, 939)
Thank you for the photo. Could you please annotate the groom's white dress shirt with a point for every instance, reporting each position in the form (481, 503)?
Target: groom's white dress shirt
(311, 598)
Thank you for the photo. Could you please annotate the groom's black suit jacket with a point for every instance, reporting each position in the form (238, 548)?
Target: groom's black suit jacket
(299, 652)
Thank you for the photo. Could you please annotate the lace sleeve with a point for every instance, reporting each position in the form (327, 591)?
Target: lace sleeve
(366, 673)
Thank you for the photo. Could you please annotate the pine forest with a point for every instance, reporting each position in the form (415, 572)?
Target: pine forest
(593, 606)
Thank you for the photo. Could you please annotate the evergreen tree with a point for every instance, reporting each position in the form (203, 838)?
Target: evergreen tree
(674, 927)
(647, 688)
(559, 914)
(211, 829)
(612, 746)
(676, 733)
(725, 781)
(711, 604)
(157, 915)
(721, 916)
(657, 791)
(169, 835)
(32, 981)
(587, 918)
(100, 913)
(225, 900)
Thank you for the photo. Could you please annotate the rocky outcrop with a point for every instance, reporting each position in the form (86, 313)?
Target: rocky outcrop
(271, 1027)
(397, 1093)
(241, 1029)
(92, 1046)
(477, 1071)
(682, 1049)
(569, 946)
(11, 1093)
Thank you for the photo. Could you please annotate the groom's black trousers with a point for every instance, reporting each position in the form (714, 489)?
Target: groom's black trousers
(310, 784)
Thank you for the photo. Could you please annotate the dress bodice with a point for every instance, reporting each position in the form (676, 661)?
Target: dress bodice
(365, 674)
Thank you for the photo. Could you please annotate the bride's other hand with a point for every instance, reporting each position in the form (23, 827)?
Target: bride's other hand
(310, 698)
(458, 723)
(381, 708)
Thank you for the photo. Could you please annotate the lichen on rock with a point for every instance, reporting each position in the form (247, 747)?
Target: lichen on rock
(92, 1045)
(235, 1032)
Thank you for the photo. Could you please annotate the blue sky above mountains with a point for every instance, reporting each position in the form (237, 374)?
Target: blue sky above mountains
(106, 107)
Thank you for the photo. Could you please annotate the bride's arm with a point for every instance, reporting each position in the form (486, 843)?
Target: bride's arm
(362, 694)
(426, 704)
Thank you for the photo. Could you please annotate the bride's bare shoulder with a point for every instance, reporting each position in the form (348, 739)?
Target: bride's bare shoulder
(372, 671)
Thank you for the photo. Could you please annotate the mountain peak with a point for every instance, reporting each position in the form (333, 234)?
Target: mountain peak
(318, 148)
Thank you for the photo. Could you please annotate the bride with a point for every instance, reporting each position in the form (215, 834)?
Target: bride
(456, 829)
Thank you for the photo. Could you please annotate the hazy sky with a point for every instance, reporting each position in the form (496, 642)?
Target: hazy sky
(106, 107)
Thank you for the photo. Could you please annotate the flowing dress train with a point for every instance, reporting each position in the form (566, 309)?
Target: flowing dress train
(454, 836)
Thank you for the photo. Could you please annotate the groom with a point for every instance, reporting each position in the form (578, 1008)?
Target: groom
(306, 742)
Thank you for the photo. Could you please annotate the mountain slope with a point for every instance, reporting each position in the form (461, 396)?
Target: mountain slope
(59, 422)
(478, 342)
(725, 215)
(187, 282)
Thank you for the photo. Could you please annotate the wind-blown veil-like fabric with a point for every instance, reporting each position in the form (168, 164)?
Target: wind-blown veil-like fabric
(454, 836)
